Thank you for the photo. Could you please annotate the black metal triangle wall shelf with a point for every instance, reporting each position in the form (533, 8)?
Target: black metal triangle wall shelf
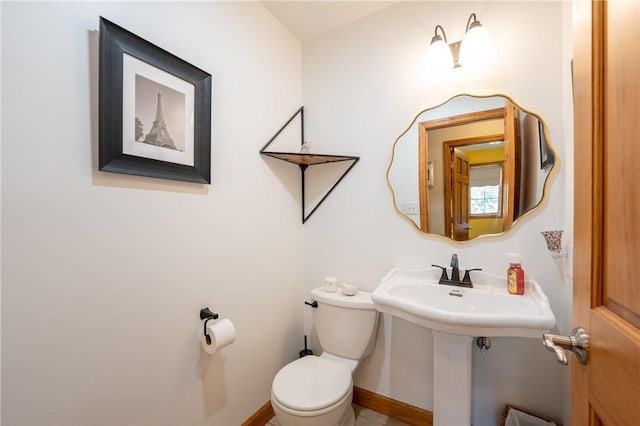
(306, 160)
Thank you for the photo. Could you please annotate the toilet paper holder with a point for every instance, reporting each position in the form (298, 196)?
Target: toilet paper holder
(206, 315)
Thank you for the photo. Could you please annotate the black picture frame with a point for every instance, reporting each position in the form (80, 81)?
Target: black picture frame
(546, 154)
(115, 43)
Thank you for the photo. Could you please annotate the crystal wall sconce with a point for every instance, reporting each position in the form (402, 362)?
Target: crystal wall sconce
(554, 243)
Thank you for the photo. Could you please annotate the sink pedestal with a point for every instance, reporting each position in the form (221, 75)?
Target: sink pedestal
(451, 379)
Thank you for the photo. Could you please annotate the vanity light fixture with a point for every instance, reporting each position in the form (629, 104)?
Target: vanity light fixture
(473, 48)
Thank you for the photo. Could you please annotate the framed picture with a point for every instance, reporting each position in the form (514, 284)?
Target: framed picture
(546, 155)
(155, 110)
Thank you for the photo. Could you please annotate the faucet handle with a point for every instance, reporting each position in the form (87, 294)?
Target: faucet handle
(443, 276)
(467, 276)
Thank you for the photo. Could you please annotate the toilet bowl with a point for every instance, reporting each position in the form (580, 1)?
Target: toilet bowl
(317, 390)
(313, 391)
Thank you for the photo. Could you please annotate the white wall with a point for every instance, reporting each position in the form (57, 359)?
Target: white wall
(363, 85)
(103, 274)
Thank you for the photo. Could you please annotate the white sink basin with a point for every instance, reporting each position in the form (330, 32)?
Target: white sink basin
(487, 309)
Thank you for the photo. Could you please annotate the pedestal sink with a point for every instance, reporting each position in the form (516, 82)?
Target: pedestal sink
(456, 315)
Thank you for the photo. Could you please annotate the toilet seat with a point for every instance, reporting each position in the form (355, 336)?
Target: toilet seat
(311, 384)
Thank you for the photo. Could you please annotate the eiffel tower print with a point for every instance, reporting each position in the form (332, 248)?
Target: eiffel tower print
(159, 135)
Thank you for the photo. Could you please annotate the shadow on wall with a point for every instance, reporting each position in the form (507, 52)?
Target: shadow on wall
(411, 346)
(373, 363)
(210, 370)
(398, 337)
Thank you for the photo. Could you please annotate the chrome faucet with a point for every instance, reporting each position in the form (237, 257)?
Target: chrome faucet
(455, 274)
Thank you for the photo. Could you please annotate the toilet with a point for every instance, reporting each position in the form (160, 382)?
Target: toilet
(317, 390)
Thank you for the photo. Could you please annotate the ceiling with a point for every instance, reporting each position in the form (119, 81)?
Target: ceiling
(311, 19)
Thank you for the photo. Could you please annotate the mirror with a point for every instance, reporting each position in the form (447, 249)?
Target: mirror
(498, 159)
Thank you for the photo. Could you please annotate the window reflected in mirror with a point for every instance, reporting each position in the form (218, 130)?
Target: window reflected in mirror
(485, 185)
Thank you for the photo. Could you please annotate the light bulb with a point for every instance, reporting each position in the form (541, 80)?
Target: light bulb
(439, 57)
(475, 46)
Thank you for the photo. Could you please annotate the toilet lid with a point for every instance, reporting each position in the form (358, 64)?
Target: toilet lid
(311, 383)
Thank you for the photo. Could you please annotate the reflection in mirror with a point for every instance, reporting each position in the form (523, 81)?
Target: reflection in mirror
(497, 159)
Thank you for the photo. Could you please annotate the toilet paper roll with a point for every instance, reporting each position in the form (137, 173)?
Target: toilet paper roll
(222, 333)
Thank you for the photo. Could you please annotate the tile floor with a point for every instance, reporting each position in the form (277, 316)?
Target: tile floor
(364, 417)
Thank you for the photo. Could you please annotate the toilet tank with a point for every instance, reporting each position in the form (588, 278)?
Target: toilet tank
(346, 325)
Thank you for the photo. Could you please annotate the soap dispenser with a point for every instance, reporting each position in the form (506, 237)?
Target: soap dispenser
(515, 275)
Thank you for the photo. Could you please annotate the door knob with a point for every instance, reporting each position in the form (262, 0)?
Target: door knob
(578, 343)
